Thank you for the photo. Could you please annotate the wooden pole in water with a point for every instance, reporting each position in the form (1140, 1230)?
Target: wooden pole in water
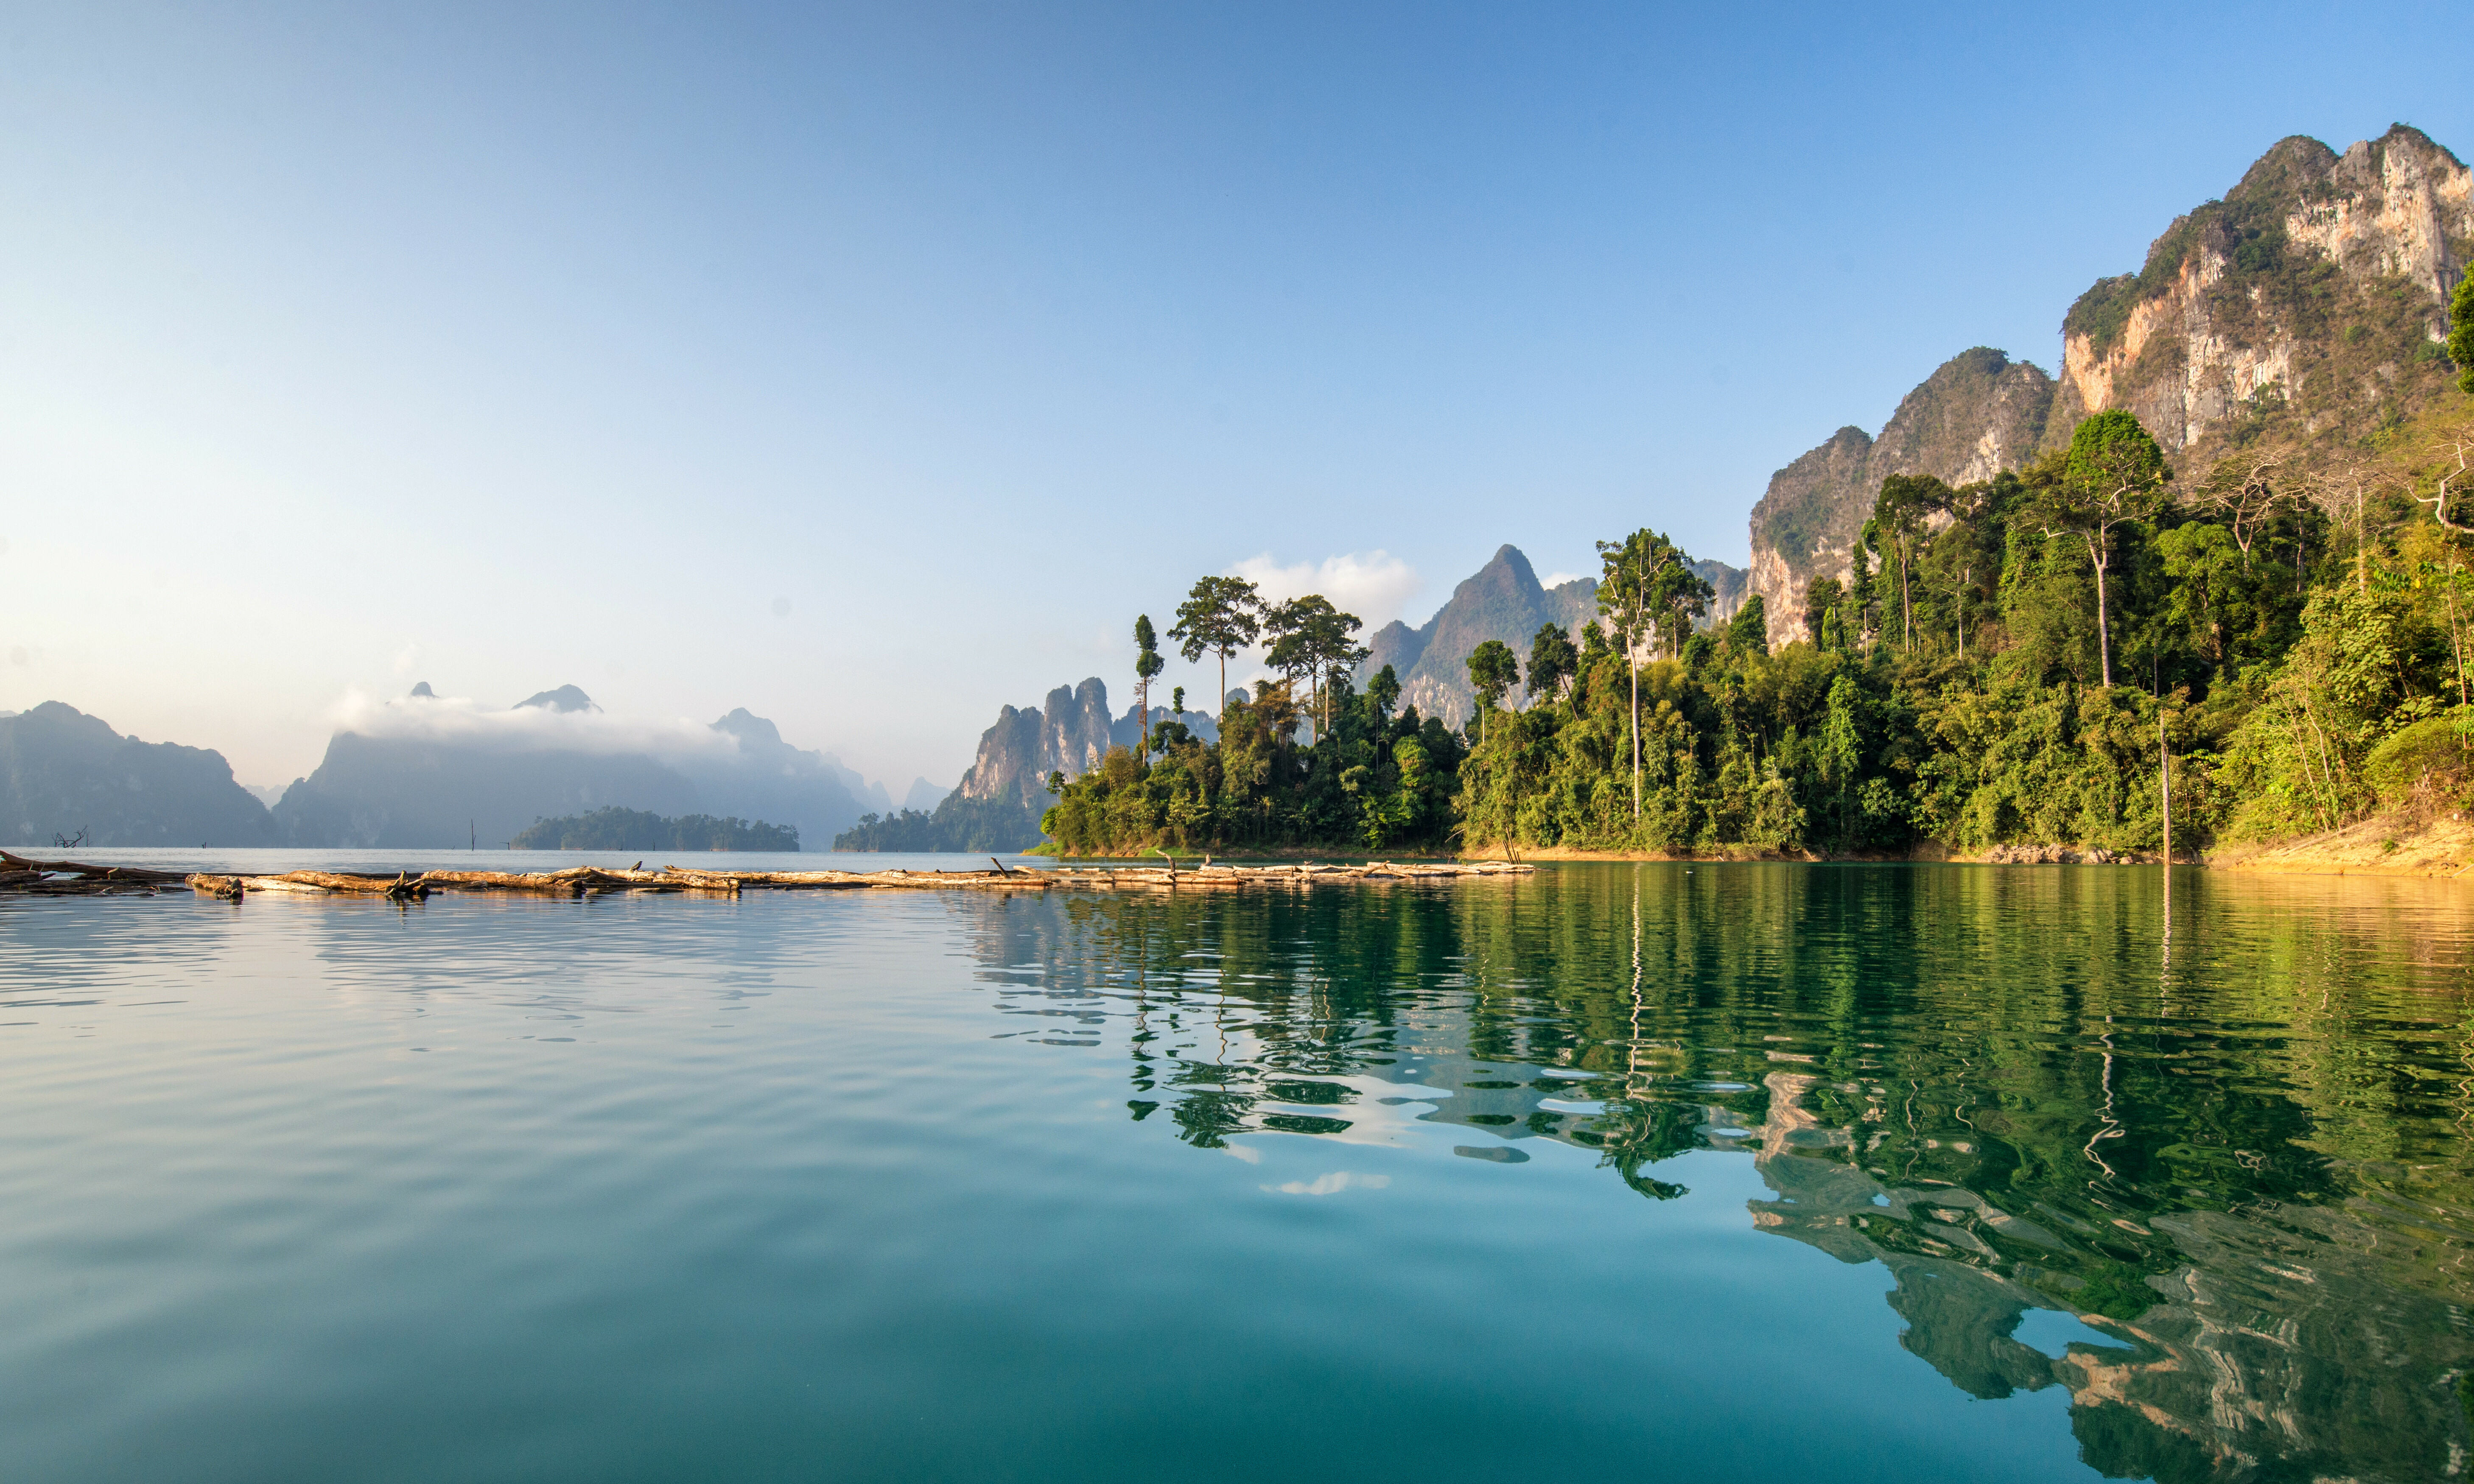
(2165, 785)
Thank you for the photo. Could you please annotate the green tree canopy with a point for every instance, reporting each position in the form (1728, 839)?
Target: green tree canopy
(1821, 598)
(1312, 640)
(1553, 661)
(1646, 583)
(1148, 665)
(2112, 475)
(1492, 671)
(1900, 515)
(1748, 632)
(1220, 616)
(1382, 694)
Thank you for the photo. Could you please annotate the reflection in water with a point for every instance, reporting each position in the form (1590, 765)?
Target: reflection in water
(2237, 1153)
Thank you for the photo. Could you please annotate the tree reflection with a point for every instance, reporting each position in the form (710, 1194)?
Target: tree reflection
(2245, 1163)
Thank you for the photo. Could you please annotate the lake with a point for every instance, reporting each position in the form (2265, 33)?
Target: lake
(1660, 1171)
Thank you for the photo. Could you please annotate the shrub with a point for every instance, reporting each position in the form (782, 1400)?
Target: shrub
(2431, 758)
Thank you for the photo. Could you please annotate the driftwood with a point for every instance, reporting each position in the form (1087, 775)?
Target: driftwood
(70, 868)
(20, 877)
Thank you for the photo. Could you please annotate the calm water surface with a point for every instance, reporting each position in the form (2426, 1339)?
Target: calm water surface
(1617, 1172)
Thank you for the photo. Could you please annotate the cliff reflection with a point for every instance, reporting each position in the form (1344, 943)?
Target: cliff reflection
(2244, 1164)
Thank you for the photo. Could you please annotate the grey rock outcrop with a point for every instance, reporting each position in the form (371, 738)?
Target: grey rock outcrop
(1502, 600)
(1979, 413)
(1069, 735)
(567, 698)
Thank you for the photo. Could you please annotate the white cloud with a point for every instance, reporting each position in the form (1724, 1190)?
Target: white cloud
(1559, 579)
(1331, 1184)
(463, 722)
(1372, 584)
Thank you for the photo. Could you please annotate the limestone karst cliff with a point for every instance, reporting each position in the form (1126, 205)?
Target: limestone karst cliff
(1000, 801)
(2305, 308)
(2309, 302)
(1069, 735)
(1979, 413)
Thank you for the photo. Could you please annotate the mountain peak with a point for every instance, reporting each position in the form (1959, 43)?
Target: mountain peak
(567, 698)
(1977, 413)
(749, 728)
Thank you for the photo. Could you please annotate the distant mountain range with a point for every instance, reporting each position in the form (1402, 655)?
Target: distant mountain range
(433, 775)
(2304, 309)
(432, 785)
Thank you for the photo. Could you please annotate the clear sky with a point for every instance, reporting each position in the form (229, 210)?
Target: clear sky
(870, 367)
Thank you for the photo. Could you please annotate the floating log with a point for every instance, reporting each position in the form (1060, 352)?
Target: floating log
(19, 877)
(230, 888)
(70, 868)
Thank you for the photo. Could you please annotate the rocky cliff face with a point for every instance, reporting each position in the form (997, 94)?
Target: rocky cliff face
(2308, 306)
(1978, 414)
(1069, 735)
(2310, 303)
(1728, 587)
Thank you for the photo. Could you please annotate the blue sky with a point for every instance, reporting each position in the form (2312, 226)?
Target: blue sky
(871, 367)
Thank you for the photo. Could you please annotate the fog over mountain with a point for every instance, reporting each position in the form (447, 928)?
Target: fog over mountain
(428, 772)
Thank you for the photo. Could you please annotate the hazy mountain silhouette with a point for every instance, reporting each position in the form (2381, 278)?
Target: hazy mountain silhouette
(62, 770)
(439, 790)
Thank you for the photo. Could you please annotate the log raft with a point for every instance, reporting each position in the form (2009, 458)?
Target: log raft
(24, 877)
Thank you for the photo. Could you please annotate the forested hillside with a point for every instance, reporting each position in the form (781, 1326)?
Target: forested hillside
(635, 829)
(2011, 662)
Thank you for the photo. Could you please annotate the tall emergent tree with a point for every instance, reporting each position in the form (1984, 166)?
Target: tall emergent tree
(1900, 515)
(1492, 671)
(2112, 475)
(1330, 635)
(1678, 596)
(1553, 661)
(1310, 641)
(1748, 632)
(1291, 652)
(1221, 617)
(1147, 664)
(1635, 584)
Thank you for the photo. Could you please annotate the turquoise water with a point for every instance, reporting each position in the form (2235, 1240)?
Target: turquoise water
(1654, 1172)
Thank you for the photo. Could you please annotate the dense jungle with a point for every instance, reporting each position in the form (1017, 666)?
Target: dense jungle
(2021, 661)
